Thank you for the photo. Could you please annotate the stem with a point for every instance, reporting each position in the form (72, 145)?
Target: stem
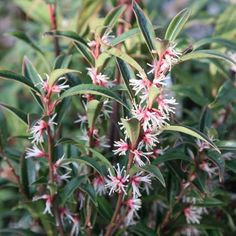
(119, 201)
(55, 208)
(53, 23)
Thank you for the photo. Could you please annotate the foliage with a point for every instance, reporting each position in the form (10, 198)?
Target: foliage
(115, 120)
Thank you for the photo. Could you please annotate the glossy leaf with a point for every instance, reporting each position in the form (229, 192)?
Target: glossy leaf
(133, 128)
(25, 38)
(85, 52)
(154, 170)
(125, 57)
(219, 161)
(67, 34)
(93, 110)
(62, 61)
(5, 74)
(70, 187)
(19, 114)
(56, 74)
(90, 191)
(227, 145)
(192, 132)
(112, 18)
(127, 74)
(92, 89)
(145, 26)
(204, 54)
(122, 37)
(177, 24)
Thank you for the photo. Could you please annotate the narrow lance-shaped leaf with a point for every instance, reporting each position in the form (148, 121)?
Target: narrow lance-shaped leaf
(70, 187)
(93, 110)
(85, 52)
(122, 37)
(177, 24)
(154, 170)
(219, 161)
(56, 74)
(191, 132)
(25, 38)
(67, 34)
(90, 191)
(19, 114)
(204, 54)
(62, 62)
(112, 18)
(125, 57)
(145, 26)
(127, 74)
(133, 128)
(5, 74)
(92, 89)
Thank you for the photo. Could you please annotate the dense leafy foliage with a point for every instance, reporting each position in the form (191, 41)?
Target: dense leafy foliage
(116, 119)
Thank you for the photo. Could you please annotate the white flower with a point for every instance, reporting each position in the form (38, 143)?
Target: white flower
(76, 225)
(133, 204)
(166, 105)
(98, 78)
(48, 206)
(136, 181)
(140, 85)
(149, 139)
(210, 170)
(34, 152)
(55, 88)
(82, 119)
(121, 147)
(99, 185)
(194, 214)
(117, 182)
(40, 127)
(138, 154)
(202, 145)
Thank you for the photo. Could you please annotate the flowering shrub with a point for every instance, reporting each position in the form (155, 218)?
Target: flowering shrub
(109, 148)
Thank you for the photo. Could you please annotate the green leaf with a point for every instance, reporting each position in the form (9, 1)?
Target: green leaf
(170, 156)
(25, 38)
(104, 208)
(19, 114)
(70, 187)
(122, 37)
(62, 61)
(225, 95)
(85, 52)
(141, 229)
(5, 74)
(125, 57)
(177, 24)
(92, 89)
(56, 74)
(206, 119)
(93, 110)
(67, 34)
(145, 26)
(231, 165)
(192, 132)
(87, 188)
(227, 145)
(218, 161)
(100, 157)
(127, 74)
(112, 18)
(204, 54)
(222, 42)
(31, 74)
(88, 161)
(133, 128)
(154, 170)
(152, 95)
